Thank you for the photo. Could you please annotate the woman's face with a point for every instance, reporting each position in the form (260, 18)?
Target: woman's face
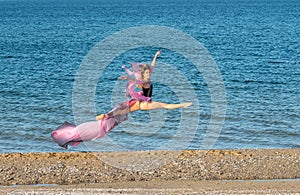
(146, 75)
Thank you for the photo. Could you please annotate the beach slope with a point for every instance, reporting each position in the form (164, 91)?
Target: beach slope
(178, 171)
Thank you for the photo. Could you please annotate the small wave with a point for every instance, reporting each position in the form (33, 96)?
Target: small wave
(252, 81)
(7, 57)
(276, 62)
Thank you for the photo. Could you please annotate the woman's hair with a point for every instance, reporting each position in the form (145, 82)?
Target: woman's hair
(143, 69)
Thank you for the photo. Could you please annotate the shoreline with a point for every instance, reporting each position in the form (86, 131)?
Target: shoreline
(165, 187)
(219, 169)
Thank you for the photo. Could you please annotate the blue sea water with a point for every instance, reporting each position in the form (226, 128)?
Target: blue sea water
(255, 44)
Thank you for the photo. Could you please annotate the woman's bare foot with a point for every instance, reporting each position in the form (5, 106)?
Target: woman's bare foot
(185, 105)
(101, 116)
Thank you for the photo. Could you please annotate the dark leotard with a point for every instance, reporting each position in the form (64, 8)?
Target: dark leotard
(148, 91)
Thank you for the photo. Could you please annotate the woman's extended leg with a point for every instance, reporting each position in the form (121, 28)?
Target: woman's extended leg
(158, 105)
(137, 105)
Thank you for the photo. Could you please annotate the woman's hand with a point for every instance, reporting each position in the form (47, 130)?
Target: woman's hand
(123, 77)
(157, 53)
(126, 78)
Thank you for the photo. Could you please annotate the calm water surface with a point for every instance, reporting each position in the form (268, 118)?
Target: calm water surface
(255, 44)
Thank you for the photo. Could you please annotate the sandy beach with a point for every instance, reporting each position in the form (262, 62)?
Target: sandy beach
(256, 171)
(165, 187)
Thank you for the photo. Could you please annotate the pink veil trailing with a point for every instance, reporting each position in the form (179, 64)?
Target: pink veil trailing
(70, 134)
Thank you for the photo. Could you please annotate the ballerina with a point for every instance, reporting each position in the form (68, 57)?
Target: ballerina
(70, 134)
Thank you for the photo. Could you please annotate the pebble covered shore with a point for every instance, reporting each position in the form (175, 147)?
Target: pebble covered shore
(67, 168)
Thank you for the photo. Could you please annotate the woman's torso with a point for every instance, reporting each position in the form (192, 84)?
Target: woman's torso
(147, 89)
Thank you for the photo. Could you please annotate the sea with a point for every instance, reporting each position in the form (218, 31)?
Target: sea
(254, 52)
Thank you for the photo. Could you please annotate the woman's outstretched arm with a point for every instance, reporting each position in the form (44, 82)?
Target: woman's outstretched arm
(127, 78)
(153, 63)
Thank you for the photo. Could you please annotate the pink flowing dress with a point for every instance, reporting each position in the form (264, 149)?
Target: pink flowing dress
(70, 134)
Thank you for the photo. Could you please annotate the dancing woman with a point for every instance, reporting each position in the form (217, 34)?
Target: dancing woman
(70, 134)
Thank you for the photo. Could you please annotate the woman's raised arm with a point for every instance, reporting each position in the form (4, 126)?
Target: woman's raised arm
(153, 63)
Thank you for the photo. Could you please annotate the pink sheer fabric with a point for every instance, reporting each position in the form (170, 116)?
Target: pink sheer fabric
(136, 72)
(70, 134)
(136, 69)
(130, 91)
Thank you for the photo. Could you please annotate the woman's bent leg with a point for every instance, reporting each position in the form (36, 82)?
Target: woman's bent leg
(123, 108)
